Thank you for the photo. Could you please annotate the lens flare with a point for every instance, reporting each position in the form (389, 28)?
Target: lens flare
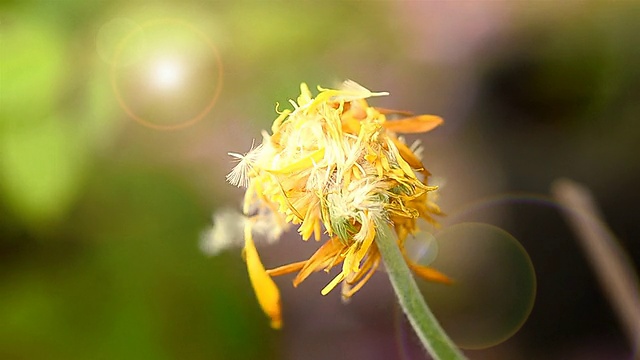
(451, 241)
(422, 247)
(167, 74)
(494, 286)
(177, 80)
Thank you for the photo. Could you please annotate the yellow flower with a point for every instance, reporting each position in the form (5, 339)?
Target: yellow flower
(334, 165)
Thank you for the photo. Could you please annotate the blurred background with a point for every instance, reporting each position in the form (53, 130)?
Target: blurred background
(116, 119)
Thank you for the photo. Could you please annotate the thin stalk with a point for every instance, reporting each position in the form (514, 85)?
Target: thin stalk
(431, 334)
(604, 252)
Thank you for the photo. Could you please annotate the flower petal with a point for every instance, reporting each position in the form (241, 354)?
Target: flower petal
(301, 164)
(336, 280)
(365, 274)
(264, 287)
(287, 269)
(326, 252)
(429, 274)
(414, 124)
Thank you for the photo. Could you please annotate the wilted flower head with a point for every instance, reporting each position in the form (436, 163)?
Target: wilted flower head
(333, 165)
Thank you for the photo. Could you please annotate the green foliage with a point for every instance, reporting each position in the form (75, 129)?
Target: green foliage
(32, 66)
(127, 284)
(42, 166)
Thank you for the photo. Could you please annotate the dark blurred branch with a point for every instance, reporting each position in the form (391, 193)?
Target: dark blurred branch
(612, 267)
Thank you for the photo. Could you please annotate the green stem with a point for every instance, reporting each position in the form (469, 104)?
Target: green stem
(433, 337)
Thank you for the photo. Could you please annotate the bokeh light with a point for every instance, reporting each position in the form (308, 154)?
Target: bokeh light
(422, 247)
(167, 74)
(494, 285)
(179, 71)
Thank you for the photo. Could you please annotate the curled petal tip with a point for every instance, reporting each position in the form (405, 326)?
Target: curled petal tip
(276, 324)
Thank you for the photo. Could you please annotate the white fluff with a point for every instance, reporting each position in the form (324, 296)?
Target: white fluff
(227, 232)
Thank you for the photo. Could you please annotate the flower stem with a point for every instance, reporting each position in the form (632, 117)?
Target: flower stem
(433, 337)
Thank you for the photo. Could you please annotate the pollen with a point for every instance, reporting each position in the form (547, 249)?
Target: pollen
(335, 168)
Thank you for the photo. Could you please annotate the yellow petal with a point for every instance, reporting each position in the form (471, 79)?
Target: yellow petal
(414, 124)
(278, 121)
(309, 222)
(304, 163)
(429, 274)
(287, 269)
(351, 125)
(324, 96)
(400, 160)
(336, 280)
(305, 95)
(370, 157)
(386, 111)
(327, 251)
(409, 156)
(385, 163)
(370, 270)
(368, 240)
(366, 244)
(264, 287)
(350, 264)
(286, 204)
(317, 230)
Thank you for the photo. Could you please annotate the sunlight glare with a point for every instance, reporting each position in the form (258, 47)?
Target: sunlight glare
(167, 74)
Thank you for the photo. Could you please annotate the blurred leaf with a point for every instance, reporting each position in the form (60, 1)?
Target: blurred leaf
(28, 317)
(40, 154)
(31, 69)
(165, 298)
(41, 167)
(99, 116)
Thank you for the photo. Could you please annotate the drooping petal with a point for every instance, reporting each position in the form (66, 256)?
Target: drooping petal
(265, 288)
(367, 271)
(369, 236)
(336, 280)
(318, 260)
